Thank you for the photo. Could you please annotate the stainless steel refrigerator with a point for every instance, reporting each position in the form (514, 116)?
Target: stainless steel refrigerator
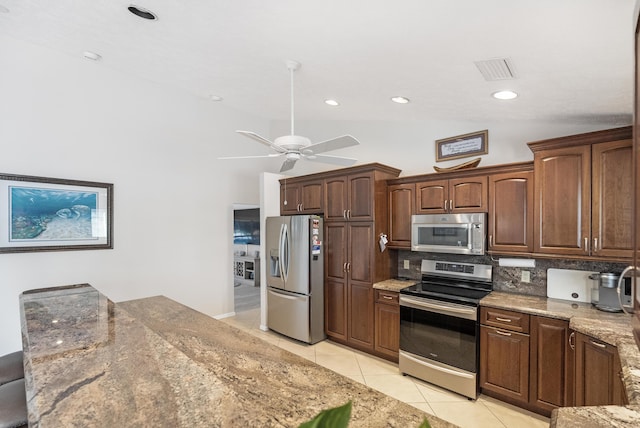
(295, 277)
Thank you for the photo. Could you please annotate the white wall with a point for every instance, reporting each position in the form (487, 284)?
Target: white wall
(67, 117)
(410, 146)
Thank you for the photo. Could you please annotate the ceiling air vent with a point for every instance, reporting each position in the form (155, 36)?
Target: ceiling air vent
(496, 69)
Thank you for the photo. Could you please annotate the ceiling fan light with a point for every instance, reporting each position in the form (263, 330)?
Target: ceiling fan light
(504, 95)
(400, 100)
(332, 103)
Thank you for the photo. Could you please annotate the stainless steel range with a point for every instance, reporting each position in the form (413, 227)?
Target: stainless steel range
(439, 329)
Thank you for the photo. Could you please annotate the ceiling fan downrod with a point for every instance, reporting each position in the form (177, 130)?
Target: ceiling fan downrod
(292, 66)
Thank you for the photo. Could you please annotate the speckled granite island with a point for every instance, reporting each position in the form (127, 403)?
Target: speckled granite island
(614, 329)
(154, 362)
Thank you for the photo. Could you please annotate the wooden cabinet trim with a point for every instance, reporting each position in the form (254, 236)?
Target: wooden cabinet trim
(504, 319)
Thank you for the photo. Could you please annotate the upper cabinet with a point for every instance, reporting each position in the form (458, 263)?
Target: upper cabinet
(455, 195)
(301, 197)
(401, 206)
(583, 194)
(510, 220)
(351, 197)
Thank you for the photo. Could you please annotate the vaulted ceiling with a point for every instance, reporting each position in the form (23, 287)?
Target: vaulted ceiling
(572, 60)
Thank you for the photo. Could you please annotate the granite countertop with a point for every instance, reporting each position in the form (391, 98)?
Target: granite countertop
(154, 362)
(614, 329)
(394, 284)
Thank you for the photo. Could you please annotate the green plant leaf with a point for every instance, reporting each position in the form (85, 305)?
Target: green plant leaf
(337, 417)
(425, 424)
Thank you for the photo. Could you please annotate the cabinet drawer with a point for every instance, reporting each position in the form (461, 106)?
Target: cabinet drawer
(508, 320)
(388, 297)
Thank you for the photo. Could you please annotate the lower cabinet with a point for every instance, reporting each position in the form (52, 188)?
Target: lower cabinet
(539, 364)
(598, 373)
(387, 324)
(526, 360)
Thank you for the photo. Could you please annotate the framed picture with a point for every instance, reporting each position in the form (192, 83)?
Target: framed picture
(52, 214)
(462, 146)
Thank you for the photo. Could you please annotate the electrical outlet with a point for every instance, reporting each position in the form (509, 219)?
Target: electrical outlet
(526, 276)
(406, 264)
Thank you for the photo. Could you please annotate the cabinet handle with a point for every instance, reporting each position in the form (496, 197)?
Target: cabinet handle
(595, 245)
(344, 214)
(349, 267)
(572, 340)
(387, 297)
(348, 214)
(503, 319)
(450, 204)
(445, 204)
(586, 244)
(503, 333)
(344, 267)
(599, 345)
(490, 241)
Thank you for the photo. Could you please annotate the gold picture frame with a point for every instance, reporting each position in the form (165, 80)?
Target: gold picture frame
(462, 146)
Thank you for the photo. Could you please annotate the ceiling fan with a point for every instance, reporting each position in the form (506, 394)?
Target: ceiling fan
(294, 147)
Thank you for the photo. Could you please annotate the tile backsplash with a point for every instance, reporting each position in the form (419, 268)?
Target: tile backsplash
(506, 279)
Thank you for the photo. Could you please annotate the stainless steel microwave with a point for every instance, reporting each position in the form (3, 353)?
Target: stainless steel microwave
(449, 233)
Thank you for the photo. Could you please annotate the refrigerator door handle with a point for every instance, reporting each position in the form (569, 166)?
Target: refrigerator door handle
(284, 295)
(284, 252)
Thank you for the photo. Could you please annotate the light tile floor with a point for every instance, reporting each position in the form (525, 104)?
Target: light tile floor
(384, 376)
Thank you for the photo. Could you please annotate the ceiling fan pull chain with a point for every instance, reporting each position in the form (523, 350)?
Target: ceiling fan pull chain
(285, 191)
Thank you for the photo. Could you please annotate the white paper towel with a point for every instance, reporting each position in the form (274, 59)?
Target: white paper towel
(524, 263)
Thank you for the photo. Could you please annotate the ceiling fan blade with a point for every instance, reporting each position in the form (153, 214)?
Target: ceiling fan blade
(332, 144)
(272, 155)
(335, 160)
(288, 164)
(261, 139)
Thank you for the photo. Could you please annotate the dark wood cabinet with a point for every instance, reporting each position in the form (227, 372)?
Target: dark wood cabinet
(301, 197)
(580, 191)
(510, 220)
(355, 212)
(598, 373)
(504, 355)
(551, 364)
(387, 324)
(464, 194)
(350, 197)
(401, 207)
(526, 359)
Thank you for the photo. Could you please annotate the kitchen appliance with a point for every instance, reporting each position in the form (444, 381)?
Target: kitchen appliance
(295, 277)
(449, 233)
(439, 329)
(607, 299)
(294, 147)
(571, 284)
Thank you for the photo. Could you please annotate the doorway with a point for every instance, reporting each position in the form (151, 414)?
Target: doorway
(246, 257)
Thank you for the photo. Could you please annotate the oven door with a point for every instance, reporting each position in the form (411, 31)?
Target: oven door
(439, 331)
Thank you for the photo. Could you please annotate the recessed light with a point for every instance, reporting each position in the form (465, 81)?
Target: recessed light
(333, 103)
(400, 100)
(142, 12)
(91, 55)
(3, 9)
(504, 95)
(215, 98)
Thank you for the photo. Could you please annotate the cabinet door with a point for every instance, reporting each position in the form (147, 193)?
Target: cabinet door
(312, 197)
(360, 317)
(335, 309)
(598, 381)
(360, 253)
(562, 207)
(336, 252)
(431, 196)
(504, 363)
(511, 212)
(290, 198)
(335, 198)
(400, 210)
(387, 329)
(612, 194)
(549, 377)
(361, 194)
(468, 195)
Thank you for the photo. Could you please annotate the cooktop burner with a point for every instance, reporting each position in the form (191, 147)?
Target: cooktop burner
(463, 283)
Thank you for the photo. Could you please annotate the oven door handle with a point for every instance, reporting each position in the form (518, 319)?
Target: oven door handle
(470, 313)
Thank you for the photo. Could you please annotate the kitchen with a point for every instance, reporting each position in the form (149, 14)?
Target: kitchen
(147, 156)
